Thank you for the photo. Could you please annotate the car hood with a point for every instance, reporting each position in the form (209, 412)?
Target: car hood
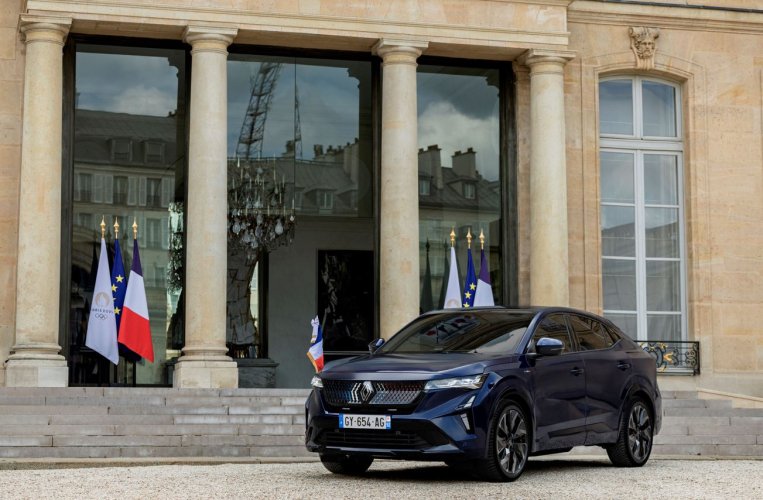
(423, 366)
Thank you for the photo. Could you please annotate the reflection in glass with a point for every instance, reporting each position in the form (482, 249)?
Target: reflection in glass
(618, 233)
(662, 286)
(616, 177)
(660, 179)
(659, 109)
(616, 107)
(663, 327)
(619, 284)
(662, 232)
(459, 165)
(304, 124)
(129, 163)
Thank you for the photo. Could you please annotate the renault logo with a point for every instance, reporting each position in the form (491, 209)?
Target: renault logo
(366, 391)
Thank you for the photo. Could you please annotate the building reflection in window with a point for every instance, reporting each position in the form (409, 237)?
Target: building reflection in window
(459, 174)
(128, 163)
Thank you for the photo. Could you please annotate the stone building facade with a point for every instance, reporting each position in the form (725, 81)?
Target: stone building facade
(593, 99)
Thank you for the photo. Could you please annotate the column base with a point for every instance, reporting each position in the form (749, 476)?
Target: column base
(193, 374)
(36, 373)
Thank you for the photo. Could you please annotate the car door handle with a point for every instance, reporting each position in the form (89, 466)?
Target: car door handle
(623, 366)
(576, 371)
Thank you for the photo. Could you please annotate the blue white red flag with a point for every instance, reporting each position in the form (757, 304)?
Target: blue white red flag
(315, 353)
(484, 293)
(135, 329)
(470, 285)
(101, 325)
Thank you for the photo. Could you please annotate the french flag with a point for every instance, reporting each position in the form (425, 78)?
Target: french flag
(135, 330)
(315, 353)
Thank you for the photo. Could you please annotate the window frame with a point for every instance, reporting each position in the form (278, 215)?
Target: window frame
(639, 146)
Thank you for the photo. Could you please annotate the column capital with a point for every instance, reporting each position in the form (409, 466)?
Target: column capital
(209, 39)
(546, 61)
(44, 28)
(399, 51)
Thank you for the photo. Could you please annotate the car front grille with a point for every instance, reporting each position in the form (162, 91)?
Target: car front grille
(339, 393)
(354, 438)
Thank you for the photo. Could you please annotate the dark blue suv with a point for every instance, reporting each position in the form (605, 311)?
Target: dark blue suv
(486, 389)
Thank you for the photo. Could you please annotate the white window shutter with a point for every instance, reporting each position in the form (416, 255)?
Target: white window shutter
(77, 187)
(132, 191)
(98, 188)
(142, 192)
(166, 191)
(108, 188)
(165, 235)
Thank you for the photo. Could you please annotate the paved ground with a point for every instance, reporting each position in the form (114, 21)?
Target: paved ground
(545, 477)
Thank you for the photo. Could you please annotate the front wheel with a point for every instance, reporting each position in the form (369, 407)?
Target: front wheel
(634, 441)
(508, 445)
(346, 465)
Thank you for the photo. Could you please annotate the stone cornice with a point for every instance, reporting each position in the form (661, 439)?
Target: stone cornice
(619, 14)
(100, 16)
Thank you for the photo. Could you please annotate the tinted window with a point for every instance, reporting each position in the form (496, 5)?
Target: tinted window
(462, 332)
(590, 333)
(553, 327)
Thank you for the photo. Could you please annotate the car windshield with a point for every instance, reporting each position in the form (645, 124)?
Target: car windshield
(494, 332)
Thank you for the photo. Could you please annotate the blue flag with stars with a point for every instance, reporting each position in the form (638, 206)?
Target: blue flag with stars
(470, 285)
(118, 282)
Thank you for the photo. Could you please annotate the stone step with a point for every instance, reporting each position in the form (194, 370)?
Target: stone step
(713, 412)
(716, 450)
(679, 394)
(697, 403)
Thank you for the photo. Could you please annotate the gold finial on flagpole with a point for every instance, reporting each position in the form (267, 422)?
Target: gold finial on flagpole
(116, 228)
(453, 236)
(469, 238)
(134, 228)
(482, 239)
(103, 226)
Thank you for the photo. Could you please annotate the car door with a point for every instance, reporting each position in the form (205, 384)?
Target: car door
(607, 372)
(559, 389)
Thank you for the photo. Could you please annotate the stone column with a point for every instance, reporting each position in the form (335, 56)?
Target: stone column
(549, 273)
(35, 361)
(399, 217)
(204, 363)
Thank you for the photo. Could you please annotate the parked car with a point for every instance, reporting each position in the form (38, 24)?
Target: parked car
(485, 389)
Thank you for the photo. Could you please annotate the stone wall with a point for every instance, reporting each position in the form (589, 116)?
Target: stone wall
(11, 92)
(720, 71)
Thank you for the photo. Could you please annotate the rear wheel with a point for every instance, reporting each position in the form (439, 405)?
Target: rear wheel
(508, 445)
(634, 442)
(346, 465)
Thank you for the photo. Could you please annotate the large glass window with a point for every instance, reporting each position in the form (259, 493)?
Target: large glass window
(643, 268)
(305, 123)
(128, 164)
(459, 162)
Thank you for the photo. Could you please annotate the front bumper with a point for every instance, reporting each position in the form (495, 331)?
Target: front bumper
(439, 428)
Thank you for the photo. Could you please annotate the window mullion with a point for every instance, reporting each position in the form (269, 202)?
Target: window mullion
(638, 167)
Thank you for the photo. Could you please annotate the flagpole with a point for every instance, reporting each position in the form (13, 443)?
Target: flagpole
(134, 228)
(103, 227)
(453, 237)
(482, 239)
(116, 228)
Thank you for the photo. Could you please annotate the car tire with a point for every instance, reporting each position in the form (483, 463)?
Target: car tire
(508, 445)
(346, 465)
(636, 436)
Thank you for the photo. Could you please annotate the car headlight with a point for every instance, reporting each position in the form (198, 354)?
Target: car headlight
(474, 382)
(317, 382)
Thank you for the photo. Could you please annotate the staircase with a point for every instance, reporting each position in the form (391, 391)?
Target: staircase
(708, 427)
(97, 422)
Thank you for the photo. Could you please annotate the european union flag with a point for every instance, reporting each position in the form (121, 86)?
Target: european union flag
(118, 290)
(470, 285)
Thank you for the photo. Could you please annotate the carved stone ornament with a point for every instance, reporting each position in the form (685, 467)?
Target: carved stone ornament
(644, 45)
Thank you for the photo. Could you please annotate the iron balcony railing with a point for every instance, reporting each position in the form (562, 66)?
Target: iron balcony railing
(673, 357)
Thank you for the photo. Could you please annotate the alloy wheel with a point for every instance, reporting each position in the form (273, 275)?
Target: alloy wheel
(511, 441)
(639, 432)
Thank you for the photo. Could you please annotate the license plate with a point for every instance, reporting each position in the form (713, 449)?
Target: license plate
(364, 421)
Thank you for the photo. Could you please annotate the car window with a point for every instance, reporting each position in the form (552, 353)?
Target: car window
(554, 327)
(590, 333)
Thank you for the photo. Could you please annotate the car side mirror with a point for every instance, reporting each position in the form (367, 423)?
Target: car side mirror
(375, 345)
(546, 346)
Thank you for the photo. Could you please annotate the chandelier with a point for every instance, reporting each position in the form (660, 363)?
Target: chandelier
(258, 217)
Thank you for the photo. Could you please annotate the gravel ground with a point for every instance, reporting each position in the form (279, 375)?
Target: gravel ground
(544, 478)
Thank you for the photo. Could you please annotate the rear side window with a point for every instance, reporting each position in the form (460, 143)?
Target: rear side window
(553, 327)
(590, 333)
